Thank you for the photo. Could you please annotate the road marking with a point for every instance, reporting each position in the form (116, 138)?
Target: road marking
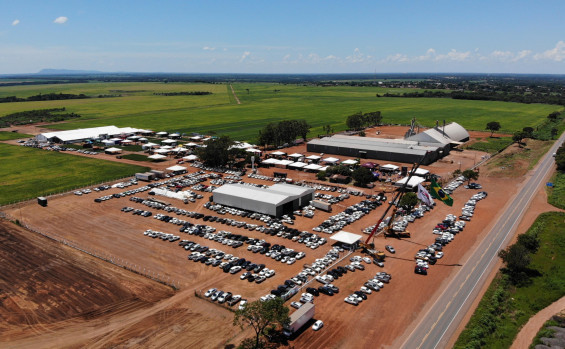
(527, 193)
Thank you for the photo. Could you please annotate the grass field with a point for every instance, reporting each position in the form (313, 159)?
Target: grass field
(6, 136)
(556, 195)
(504, 309)
(44, 172)
(136, 157)
(263, 103)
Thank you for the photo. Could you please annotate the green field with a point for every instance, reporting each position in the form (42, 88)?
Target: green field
(138, 107)
(44, 172)
(6, 136)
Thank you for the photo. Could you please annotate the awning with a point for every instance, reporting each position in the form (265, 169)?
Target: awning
(346, 237)
(176, 168)
(157, 157)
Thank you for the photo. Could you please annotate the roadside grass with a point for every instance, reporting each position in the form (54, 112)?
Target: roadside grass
(7, 136)
(28, 172)
(320, 106)
(504, 308)
(136, 157)
(556, 194)
(516, 161)
(133, 147)
(491, 145)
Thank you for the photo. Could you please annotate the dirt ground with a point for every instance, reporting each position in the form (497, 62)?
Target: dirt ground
(186, 321)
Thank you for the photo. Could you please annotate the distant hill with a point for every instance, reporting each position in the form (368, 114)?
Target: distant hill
(67, 72)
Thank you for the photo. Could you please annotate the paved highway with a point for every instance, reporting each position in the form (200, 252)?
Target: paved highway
(446, 314)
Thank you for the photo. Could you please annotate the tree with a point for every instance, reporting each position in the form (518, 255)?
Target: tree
(355, 121)
(303, 128)
(554, 115)
(530, 241)
(517, 259)
(554, 132)
(408, 201)
(217, 152)
(260, 315)
(362, 134)
(528, 132)
(321, 175)
(362, 176)
(517, 137)
(493, 126)
(470, 175)
(340, 169)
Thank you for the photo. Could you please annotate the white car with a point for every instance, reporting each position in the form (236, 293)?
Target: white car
(366, 290)
(439, 255)
(210, 292)
(317, 325)
(351, 300)
(242, 304)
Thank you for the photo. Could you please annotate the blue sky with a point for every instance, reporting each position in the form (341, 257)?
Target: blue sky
(284, 37)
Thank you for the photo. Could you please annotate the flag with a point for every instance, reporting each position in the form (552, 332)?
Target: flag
(438, 193)
(424, 196)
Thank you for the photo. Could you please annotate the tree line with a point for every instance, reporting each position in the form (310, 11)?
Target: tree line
(190, 93)
(361, 120)
(43, 97)
(33, 116)
(500, 96)
(286, 131)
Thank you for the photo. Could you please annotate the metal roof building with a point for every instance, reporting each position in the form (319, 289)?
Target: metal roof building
(81, 134)
(276, 200)
(397, 150)
(452, 133)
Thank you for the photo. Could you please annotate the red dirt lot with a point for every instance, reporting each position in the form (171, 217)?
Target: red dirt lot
(186, 321)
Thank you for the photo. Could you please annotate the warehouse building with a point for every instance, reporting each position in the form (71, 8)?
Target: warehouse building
(396, 150)
(452, 134)
(276, 200)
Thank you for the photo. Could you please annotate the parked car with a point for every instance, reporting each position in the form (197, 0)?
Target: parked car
(317, 325)
(390, 249)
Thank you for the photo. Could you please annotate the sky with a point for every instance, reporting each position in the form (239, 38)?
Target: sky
(278, 37)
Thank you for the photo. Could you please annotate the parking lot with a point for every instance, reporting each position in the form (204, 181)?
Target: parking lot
(104, 226)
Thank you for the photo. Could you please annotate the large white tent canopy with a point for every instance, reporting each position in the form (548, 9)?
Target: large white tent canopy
(389, 167)
(157, 157)
(87, 133)
(413, 182)
(349, 162)
(331, 160)
(176, 168)
(278, 153)
(313, 167)
(190, 157)
(313, 157)
(113, 150)
(346, 237)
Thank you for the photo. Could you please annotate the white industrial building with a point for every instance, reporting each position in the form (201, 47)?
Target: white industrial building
(81, 134)
(276, 200)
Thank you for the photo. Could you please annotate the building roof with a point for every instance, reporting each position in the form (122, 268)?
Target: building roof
(176, 168)
(254, 193)
(375, 144)
(86, 133)
(414, 181)
(431, 136)
(456, 132)
(292, 189)
(346, 237)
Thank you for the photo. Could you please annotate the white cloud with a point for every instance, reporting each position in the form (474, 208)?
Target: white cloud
(286, 57)
(397, 58)
(356, 57)
(16, 22)
(555, 54)
(61, 20)
(454, 55)
(244, 56)
(208, 48)
(430, 54)
(330, 58)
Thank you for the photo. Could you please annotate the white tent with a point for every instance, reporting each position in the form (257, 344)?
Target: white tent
(278, 153)
(169, 141)
(252, 150)
(346, 237)
(297, 165)
(108, 142)
(313, 157)
(149, 145)
(133, 138)
(162, 133)
(313, 167)
(296, 155)
(389, 167)
(127, 141)
(179, 149)
(162, 151)
(414, 181)
(331, 160)
(142, 139)
(196, 138)
(113, 150)
(421, 172)
(191, 144)
(270, 161)
(283, 163)
(190, 157)
(174, 135)
(349, 162)
(176, 168)
(157, 157)
(167, 147)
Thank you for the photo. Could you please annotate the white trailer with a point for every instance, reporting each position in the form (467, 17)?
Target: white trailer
(299, 318)
(322, 205)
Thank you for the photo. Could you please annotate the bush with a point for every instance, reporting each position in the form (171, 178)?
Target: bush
(321, 175)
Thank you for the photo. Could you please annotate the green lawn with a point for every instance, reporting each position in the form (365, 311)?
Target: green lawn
(491, 145)
(504, 309)
(556, 195)
(219, 113)
(6, 136)
(28, 172)
(136, 157)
